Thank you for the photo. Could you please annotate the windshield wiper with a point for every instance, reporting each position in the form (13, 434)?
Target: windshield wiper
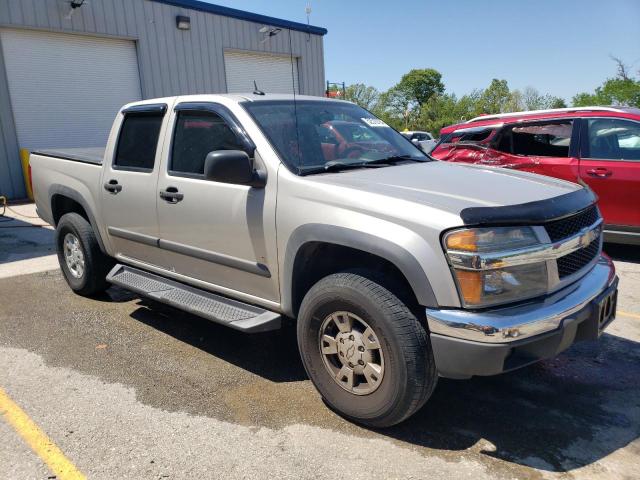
(335, 165)
(397, 158)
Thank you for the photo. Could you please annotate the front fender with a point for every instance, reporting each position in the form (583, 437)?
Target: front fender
(392, 252)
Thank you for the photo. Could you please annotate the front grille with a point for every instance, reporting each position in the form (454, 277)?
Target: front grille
(570, 264)
(567, 227)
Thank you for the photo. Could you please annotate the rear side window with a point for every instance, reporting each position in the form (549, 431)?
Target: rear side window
(613, 139)
(550, 139)
(470, 136)
(138, 142)
(196, 134)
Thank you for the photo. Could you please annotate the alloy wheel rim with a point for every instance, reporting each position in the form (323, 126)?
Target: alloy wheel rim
(351, 353)
(73, 255)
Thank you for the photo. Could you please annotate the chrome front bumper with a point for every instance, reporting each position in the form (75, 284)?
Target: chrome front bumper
(489, 342)
(503, 325)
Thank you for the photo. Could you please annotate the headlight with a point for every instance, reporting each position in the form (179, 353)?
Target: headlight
(488, 269)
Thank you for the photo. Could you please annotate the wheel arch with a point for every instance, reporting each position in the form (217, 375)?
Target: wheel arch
(63, 199)
(301, 269)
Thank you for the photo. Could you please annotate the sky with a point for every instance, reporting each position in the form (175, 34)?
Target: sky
(560, 47)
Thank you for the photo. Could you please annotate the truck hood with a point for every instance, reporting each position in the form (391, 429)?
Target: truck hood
(451, 187)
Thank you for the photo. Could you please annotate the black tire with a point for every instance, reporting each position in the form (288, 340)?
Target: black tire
(96, 264)
(409, 369)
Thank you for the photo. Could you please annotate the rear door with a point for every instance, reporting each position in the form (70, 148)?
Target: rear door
(129, 181)
(215, 232)
(544, 147)
(610, 165)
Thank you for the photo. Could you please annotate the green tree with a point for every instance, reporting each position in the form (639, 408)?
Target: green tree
(621, 90)
(404, 100)
(516, 101)
(496, 97)
(557, 102)
(533, 99)
(363, 95)
(439, 111)
(419, 85)
(394, 108)
(615, 91)
(446, 109)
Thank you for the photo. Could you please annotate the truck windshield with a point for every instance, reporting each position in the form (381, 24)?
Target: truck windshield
(314, 136)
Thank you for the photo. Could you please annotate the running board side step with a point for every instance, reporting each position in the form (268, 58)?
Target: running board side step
(219, 309)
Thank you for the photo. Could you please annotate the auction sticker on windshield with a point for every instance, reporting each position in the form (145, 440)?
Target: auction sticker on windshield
(374, 122)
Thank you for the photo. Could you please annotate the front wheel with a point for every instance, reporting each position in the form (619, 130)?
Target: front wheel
(364, 350)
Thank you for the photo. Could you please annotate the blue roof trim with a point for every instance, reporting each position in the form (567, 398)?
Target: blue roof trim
(242, 15)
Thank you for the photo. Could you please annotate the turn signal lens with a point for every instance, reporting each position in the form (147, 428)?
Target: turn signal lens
(466, 240)
(470, 284)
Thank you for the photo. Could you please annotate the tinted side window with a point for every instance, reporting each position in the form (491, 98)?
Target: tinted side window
(138, 142)
(538, 139)
(613, 139)
(469, 136)
(196, 134)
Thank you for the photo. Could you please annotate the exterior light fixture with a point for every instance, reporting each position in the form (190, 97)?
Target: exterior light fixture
(269, 32)
(183, 23)
(73, 4)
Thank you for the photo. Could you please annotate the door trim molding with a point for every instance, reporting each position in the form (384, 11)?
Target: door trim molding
(206, 255)
(133, 236)
(213, 257)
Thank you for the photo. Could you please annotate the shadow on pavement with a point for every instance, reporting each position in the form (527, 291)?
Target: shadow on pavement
(21, 240)
(271, 355)
(623, 253)
(557, 416)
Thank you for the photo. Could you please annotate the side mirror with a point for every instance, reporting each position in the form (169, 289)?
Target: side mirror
(232, 166)
(415, 141)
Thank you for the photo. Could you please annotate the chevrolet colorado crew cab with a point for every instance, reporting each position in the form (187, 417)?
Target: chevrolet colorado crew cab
(397, 268)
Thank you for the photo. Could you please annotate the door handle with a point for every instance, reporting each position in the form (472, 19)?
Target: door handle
(112, 186)
(171, 195)
(599, 172)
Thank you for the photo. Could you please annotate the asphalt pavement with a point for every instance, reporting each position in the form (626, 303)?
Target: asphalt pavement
(128, 388)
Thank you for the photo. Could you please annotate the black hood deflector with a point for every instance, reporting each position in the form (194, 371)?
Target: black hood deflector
(531, 213)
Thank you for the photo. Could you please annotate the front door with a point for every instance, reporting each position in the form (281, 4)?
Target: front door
(610, 165)
(215, 232)
(128, 184)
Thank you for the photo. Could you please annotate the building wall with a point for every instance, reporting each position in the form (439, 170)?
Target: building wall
(171, 61)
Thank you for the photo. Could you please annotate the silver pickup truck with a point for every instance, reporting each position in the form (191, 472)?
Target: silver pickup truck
(252, 210)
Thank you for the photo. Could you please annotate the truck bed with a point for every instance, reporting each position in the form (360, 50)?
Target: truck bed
(93, 155)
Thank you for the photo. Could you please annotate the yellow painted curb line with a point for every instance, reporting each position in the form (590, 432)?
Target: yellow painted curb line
(26, 172)
(38, 440)
(627, 314)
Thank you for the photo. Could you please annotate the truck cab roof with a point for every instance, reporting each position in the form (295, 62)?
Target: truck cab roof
(233, 97)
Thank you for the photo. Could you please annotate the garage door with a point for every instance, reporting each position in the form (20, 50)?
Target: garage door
(66, 89)
(272, 73)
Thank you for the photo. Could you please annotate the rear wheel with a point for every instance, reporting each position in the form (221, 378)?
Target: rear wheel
(364, 350)
(82, 262)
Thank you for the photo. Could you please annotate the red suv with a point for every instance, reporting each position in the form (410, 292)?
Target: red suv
(599, 146)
